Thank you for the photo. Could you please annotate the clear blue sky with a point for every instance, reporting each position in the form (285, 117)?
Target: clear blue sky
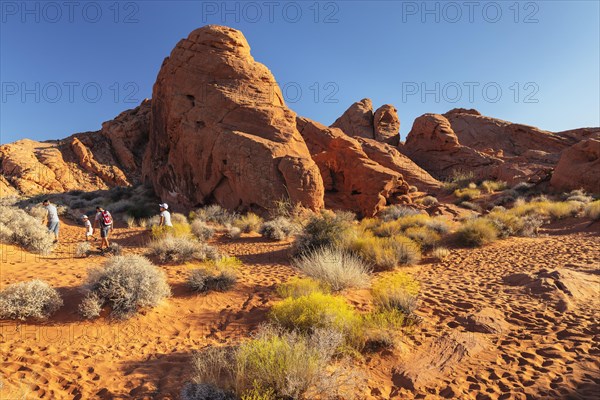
(543, 57)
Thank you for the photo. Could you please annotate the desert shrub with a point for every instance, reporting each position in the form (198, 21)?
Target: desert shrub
(297, 287)
(560, 210)
(458, 179)
(440, 253)
(114, 249)
(19, 228)
(398, 226)
(181, 249)
(394, 212)
(259, 393)
(178, 230)
(178, 218)
(383, 327)
(323, 231)
(294, 366)
(31, 299)
(202, 230)
(130, 222)
(334, 267)
(439, 225)
(385, 252)
(248, 223)
(508, 224)
(318, 310)
(280, 228)
(412, 189)
(120, 206)
(233, 232)
(493, 186)
(83, 249)
(91, 306)
(203, 280)
(423, 235)
(389, 290)
(428, 201)
(128, 283)
(213, 213)
(522, 187)
(467, 194)
(143, 223)
(477, 232)
(469, 206)
(204, 391)
(578, 195)
(38, 212)
(592, 210)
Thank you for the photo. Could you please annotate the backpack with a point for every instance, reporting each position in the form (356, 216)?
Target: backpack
(106, 219)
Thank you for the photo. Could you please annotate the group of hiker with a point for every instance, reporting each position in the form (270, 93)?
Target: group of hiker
(102, 220)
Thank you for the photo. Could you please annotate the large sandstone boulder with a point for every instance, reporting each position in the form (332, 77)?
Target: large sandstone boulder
(485, 133)
(433, 145)
(221, 131)
(352, 180)
(359, 120)
(579, 167)
(391, 158)
(386, 125)
(86, 161)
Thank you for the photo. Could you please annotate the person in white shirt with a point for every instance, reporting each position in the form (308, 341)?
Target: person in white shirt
(51, 218)
(89, 230)
(165, 215)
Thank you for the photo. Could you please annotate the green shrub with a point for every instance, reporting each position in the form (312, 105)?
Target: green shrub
(467, 194)
(202, 280)
(477, 232)
(493, 186)
(394, 212)
(128, 283)
(323, 231)
(280, 228)
(385, 252)
(318, 310)
(297, 287)
(578, 195)
(396, 291)
(213, 213)
(592, 210)
(248, 223)
(181, 249)
(423, 235)
(428, 201)
(31, 299)
(440, 253)
(336, 268)
(201, 230)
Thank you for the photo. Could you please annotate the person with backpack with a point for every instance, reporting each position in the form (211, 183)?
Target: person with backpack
(105, 221)
(51, 218)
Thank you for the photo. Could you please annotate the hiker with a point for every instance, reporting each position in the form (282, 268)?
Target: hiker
(52, 218)
(165, 215)
(105, 221)
(89, 230)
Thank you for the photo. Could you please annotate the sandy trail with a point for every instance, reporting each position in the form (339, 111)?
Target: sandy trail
(531, 350)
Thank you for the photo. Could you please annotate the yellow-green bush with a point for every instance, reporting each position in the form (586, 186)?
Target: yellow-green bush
(398, 226)
(477, 232)
(467, 193)
(383, 327)
(423, 235)
(493, 186)
(440, 253)
(297, 287)
(385, 252)
(248, 223)
(319, 310)
(177, 230)
(385, 288)
(592, 210)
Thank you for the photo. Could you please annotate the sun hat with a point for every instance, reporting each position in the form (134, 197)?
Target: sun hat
(164, 205)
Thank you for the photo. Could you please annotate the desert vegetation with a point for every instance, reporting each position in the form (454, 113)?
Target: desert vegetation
(32, 299)
(125, 284)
